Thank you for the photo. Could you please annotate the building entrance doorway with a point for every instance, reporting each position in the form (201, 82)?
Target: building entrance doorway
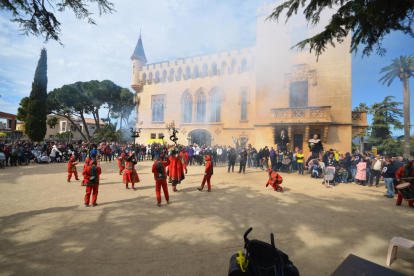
(297, 141)
(200, 137)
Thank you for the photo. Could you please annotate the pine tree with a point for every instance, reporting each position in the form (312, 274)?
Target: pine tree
(386, 114)
(35, 123)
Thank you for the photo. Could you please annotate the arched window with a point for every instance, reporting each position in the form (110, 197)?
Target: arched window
(172, 74)
(179, 74)
(243, 65)
(253, 63)
(215, 105)
(157, 77)
(186, 107)
(214, 69)
(164, 76)
(196, 72)
(223, 67)
(144, 78)
(187, 73)
(233, 66)
(200, 100)
(158, 105)
(205, 70)
(150, 78)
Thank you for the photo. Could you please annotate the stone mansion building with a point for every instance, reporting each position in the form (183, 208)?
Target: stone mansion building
(251, 93)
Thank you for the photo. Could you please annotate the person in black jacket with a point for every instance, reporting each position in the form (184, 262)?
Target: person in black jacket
(232, 159)
(388, 172)
(282, 141)
(243, 160)
(265, 158)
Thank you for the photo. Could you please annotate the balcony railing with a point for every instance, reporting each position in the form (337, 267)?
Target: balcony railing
(312, 114)
(359, 118)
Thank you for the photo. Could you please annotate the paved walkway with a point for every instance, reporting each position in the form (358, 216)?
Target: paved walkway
(45, 230)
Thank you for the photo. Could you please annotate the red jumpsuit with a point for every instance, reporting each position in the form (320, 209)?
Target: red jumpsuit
(121, 163)
(207, 175)
(84, 168)
(274, 180)
(399, 175)
(92, 185)
(130, 174)
(184, 159)
(161, 180)
(72, 168)
(175, 171)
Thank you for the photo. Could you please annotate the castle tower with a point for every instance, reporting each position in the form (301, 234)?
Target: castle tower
(138, 60)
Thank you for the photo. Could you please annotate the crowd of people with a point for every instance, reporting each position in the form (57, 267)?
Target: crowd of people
(364, 169)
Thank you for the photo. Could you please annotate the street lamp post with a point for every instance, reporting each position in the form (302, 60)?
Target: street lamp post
(135, 133)
(173, 132)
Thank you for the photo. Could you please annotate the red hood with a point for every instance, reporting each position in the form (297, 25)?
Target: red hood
(208, 158)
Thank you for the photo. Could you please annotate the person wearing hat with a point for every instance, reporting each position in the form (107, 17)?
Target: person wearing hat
(121, 162)
(208, 173)
(274, 180)
(175, 170)
(184, 159)
(72, 168)
(130, 174)
(85, 166)
(158, 169)
(91, 176)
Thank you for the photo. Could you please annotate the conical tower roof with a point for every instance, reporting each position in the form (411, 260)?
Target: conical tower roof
(139, 51)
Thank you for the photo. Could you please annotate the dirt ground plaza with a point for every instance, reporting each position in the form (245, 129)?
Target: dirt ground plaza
(46, 230)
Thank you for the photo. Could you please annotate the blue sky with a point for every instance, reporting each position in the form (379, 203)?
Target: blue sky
(171, 29)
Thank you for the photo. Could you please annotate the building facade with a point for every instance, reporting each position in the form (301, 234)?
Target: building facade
(251, 93)
(65, 125)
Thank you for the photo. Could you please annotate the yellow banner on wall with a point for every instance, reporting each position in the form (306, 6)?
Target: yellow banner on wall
(158, 141)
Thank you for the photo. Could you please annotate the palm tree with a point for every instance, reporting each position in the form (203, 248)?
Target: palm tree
(402, 68)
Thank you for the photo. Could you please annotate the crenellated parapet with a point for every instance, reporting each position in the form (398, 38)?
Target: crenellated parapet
(203, 66)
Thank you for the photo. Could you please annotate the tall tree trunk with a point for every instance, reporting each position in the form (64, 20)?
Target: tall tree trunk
(85, 125)
(407, 125)
(98, 126)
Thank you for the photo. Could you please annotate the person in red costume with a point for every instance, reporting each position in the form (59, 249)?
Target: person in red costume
(274, 180)
(130, 174)
(175, 170)
(91, 175)
(207, 175)
(87, 161)
(158, 169)
(184, 159)
(72, 168)
(121, 163)
(405, 174)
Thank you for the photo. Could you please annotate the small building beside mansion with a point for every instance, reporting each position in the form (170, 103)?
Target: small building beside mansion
(251, 93)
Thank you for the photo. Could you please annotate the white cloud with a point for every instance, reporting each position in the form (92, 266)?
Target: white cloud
(170, 29)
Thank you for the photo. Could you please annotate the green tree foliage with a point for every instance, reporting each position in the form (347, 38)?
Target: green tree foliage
(386, 116)
(109, 132)
(402, 68)
(84, 98)
(35, 122)
(37, 17)
(22, 110)
(52, 121)
(67, 102)
(369, 21)
(64, 136)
